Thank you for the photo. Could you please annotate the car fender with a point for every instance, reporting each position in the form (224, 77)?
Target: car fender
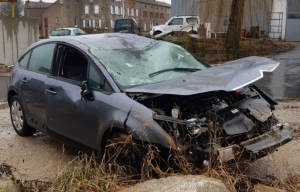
(143, 128)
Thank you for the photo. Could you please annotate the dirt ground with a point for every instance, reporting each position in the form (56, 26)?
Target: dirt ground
(41, 158)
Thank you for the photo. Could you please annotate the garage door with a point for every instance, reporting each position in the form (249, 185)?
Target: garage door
(293, 27)
(293, 21)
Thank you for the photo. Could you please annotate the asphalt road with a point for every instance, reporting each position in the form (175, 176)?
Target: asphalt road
(284, 82)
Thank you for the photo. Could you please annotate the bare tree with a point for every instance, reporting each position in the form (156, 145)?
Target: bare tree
(5, 9)
(235, 24)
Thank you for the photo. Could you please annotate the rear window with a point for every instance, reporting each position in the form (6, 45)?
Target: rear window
(192, 21)
(61, 32)
(79, 32)
(122, 23)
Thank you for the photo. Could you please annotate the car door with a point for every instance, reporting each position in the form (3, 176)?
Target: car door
(69, 116)
(32, 83)
(176, 24)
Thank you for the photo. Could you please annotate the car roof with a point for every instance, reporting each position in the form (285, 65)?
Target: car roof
(64, 28)
(107, 41)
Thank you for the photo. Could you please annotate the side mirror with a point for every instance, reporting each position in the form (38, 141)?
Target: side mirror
(86, 93)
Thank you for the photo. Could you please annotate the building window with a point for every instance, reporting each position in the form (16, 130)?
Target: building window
(86, 23)
(112, 9)
(86, 9)
(162, 16)
(157, 15)
(56, 20)
(132, 12)
(96, 9)
(112, 23)
(98, 23)
(145, 14)
(91, 1)
(116, 10)
(151, 14)
(94, 23)
(137, 12)
(121, 11)
(76, 22)
(46, 22)
(128, 11)
(145, 26)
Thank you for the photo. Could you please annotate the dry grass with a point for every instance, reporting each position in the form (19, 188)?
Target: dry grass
(213, 50)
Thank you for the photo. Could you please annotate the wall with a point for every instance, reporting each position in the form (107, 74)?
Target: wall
(185, 7)
(217, 12)
(16, 34)
(280, 6)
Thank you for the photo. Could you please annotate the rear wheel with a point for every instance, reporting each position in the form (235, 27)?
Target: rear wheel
(18, 118)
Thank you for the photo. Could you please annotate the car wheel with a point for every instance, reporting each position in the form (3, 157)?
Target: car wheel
(123, 155)
(156, 33)
(18, 118)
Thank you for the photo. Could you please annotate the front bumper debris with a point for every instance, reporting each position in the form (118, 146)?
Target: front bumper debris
(256, 147)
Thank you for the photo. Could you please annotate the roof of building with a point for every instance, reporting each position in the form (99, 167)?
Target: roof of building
(154, 3)
(36, 5)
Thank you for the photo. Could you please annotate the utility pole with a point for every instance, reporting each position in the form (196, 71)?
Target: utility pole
(12, 6)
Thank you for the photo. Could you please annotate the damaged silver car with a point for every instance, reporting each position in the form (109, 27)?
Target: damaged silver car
(88, 90)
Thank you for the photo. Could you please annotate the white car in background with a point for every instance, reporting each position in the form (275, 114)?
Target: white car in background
(67, 32)
(188, 24)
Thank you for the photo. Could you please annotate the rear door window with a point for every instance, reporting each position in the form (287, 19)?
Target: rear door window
(192, 21)
(41, 58)
(177, 21)
(62, 32)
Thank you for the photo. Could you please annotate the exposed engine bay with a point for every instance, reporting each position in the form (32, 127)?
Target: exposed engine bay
(226, 124)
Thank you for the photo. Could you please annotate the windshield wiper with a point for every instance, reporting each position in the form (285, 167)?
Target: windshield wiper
(173, 69)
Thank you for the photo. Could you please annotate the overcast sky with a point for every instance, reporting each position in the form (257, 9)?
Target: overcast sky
(167, 1)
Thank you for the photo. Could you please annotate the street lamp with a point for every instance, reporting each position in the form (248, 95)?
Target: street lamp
(12, 6)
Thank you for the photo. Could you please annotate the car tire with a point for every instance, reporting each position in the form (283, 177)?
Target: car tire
(123, 154)
(18, 118)
(156, 33)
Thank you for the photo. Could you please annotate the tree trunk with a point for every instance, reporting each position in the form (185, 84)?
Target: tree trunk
(235, 25)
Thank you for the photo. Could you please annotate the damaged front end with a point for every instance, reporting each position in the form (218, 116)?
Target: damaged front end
(219, 124)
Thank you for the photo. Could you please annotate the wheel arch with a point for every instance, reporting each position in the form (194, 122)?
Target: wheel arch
(10, 95)
(110, 131)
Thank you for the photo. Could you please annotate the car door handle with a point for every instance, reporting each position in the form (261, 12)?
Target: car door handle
(24, 81)
(180, 26)
(51, 91)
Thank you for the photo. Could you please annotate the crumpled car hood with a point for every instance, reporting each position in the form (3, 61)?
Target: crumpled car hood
(228, 76)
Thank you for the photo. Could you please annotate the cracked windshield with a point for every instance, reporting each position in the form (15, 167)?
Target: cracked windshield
(157, 62)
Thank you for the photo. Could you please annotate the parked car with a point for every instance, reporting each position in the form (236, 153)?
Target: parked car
(188, 24)
(88, 90)
(67, 32)
(126, 25)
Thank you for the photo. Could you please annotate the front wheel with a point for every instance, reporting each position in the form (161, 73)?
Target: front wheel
(18, 118)
(123, 154)
(156, 33)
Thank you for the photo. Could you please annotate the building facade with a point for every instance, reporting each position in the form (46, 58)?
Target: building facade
(97, 16)
(34, 10)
